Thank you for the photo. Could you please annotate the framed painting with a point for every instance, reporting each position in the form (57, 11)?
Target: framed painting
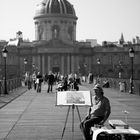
(79, 98)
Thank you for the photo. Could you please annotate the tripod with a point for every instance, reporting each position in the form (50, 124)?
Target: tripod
(73, 107)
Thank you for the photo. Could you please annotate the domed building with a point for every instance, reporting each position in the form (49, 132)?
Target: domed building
(55, 19)
(55, 47)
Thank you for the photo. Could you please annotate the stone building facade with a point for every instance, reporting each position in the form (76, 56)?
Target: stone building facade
(115, 61)
(55, 47)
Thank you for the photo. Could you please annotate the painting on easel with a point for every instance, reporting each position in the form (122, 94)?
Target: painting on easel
(79, 98)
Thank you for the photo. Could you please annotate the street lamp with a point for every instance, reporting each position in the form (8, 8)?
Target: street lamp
(120, 69)
(25, 63)
(4, 54)
(131, 55)
(33, 67)
(98, 62)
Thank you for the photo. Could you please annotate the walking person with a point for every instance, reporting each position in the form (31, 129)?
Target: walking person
(29, 83)
(29, 80)
(50, 81)
(34, 80)
(39, 80)
(98, 113)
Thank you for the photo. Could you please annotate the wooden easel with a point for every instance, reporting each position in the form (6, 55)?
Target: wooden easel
(73, 107)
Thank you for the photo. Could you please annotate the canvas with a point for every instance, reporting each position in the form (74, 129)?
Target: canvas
(79, 98)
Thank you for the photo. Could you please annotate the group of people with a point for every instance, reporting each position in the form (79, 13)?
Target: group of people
(98, 113)
(34, 80)
(68, 82)
(63, 82)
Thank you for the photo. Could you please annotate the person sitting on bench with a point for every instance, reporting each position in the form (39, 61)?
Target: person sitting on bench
(98, 112)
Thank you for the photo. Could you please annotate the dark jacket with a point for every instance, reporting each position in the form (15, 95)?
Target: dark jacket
(39, 76)
(50, 79)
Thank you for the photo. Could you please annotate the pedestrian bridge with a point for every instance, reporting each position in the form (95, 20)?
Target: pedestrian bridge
(35, 116)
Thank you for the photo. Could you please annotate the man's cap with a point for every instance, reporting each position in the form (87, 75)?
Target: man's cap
(98, 87)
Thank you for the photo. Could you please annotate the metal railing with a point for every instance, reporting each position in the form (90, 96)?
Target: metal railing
(114, 83)
(12, 84)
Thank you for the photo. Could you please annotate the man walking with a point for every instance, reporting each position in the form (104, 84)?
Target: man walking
(39, 80)
(50, 80)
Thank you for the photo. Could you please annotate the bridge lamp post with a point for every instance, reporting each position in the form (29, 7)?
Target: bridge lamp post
(4, 54)
(25, 63)
(131, 55)
(98, 62)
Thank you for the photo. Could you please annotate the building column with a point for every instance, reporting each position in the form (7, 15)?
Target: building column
(77, 63)
(33, 60)
(62, 64)
(43, 64)
(72, 64)
(90, 64)
(36, 31)
(46, 63)
(49, 64)
(68, 64)
(38, 63)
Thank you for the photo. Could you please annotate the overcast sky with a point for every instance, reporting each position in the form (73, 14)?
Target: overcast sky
(97, 19)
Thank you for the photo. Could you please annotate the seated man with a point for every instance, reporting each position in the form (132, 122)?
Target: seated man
(98, 112)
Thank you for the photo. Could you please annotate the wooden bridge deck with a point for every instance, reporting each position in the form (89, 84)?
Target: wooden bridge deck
(34, 116)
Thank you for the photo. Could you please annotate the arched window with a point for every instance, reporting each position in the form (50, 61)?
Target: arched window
(70, 32)
(40, 32)
(55, 32)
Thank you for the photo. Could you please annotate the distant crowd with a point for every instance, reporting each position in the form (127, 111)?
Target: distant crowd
(62, 82)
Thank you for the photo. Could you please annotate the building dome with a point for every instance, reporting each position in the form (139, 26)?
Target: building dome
(60, 7)
(55, 19)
